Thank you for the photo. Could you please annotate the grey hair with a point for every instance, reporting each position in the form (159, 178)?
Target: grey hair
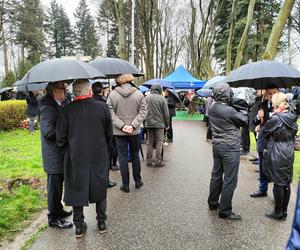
(81, 87)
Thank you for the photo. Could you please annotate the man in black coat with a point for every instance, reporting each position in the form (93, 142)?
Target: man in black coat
(84, 130)
(32, 109)
(52, 156)
(260, 120)
(225, 123)
(98, 94)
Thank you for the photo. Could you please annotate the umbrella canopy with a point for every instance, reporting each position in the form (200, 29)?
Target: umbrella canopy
(144, 89)
(204, 92)
(31, 87)
(5, 89)
(60, 69)
(259, 75)
(16, 83)
(113, 67)
(163, 83)
(214, 82)
(247, 94)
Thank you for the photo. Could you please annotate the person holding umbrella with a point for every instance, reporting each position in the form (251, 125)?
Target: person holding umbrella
(171, 100)
(84, 131)
(32, 109)
(52, 156)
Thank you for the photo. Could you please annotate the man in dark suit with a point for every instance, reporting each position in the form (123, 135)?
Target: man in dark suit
(52, 156)
(260, 120)
(84, 131)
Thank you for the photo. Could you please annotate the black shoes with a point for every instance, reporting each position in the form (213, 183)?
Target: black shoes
(258, 194)
(115, 168)
(80, 230)
(65, 214)
(276, 216)
(125, 189)
(60, 223)
(111, 184)
(254, 159)
(102, 227)
(139, 184)
(159, 164)
(255, 162)
(232, 216)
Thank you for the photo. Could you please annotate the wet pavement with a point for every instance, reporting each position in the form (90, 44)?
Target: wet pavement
(170, 211)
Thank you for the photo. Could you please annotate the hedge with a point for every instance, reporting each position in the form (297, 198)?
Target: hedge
(12, 113)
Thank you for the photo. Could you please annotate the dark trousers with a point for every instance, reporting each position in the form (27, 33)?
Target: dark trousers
(281, 197)
(155, 137)
(54, 190)
(113, 153)
(209, 131)
(224, 179)
(133, 142)
(170, 130)
(263, 180)
(245, 135)
(78, 216)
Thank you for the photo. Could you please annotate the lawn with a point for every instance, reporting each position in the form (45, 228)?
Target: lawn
(22, 180)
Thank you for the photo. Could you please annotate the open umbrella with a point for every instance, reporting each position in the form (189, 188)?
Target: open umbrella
(163, 83)
(204, 92)
(60, 69)
(214, 82)
(259, 75)
(32, 87)
(143, 89)
(113, 67)
(174, 93)
(5, 89)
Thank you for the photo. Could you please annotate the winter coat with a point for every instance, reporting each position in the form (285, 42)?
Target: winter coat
(100, 98)
(158, 112)
(208, 102)
(128, 107)
(225, 120)
(171, 105)
(279, 133)
(32, 105)
(84, 129)
(52, 156)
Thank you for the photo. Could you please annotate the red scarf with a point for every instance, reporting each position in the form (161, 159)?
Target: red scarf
(82, 97)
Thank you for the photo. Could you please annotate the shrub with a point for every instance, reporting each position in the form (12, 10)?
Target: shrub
(12, 112)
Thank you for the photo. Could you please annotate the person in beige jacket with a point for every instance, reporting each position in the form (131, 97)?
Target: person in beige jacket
(129, 110)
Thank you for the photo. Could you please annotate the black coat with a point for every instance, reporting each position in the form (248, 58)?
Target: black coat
(171, 105)
(279, 133)
(32, 105)
(52, 155)
(84, 129)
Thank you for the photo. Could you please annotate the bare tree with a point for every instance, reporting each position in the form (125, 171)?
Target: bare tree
(230, 37)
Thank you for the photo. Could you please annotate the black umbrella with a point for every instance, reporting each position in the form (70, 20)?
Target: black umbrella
(32, 87)
(113, 67)
(5, 89)
(175, 94)
(259, 75)
(60, 69)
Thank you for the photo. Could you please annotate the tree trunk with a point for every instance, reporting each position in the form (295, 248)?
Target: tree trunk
(192, 38)
(277, 30)
(230, 37)
(5, 55)
(243, 41)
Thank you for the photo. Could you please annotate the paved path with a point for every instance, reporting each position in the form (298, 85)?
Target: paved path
(170, 211)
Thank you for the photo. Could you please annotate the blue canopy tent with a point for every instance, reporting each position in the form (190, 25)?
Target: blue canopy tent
(182, 79)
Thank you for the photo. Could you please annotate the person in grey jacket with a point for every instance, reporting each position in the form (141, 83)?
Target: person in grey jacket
(225, 123)
(156, 122)
(129, 110)
(52, 156)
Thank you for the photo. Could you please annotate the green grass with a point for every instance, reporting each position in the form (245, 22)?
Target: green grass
(22, 179)
(33, 238)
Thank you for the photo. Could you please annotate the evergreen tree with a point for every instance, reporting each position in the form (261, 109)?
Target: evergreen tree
(58, 29)
(30, 29)
(86, 36)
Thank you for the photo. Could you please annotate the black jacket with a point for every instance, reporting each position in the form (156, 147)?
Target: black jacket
(225, 120)
(52, 156)
(279, 133)
(32, 105)
(171, 105)
(84, 130)
(99, 98)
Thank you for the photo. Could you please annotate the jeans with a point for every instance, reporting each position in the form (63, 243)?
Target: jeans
(123, 142)
(156, 137)
(78, 216)
(263, 180)
(224, 179)
(54, 193)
